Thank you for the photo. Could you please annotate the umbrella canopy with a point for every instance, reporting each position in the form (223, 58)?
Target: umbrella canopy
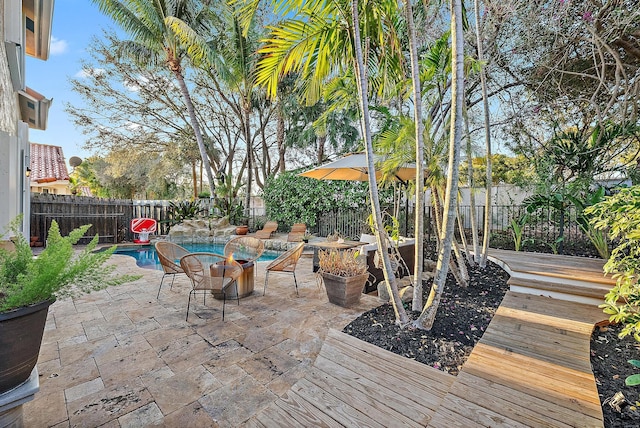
(353, 167)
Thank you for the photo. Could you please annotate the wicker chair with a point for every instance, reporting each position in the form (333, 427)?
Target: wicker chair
(297, 232)
(211, 273)
(246, 248)
(286, 262)
(169, 255)
(267, 230)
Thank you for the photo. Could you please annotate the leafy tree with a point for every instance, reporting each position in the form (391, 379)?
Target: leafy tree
(158, 30)
(505, 170)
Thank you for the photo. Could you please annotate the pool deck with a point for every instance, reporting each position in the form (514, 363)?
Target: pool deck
(122, 358)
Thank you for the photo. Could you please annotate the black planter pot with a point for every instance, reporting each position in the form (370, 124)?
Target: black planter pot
(21, 333)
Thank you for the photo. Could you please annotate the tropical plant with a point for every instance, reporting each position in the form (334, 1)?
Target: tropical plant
(164, 32)
(597, 237)
(184, 210)
(619, 215)
(517, 230)
(58, 271)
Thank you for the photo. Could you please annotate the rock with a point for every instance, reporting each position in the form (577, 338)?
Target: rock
(382, 291)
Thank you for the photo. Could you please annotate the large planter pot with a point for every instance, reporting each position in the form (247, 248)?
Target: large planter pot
(21, 333)
(242, 230)
(344, 291)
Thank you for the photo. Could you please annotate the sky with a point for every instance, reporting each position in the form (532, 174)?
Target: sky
(75, 23)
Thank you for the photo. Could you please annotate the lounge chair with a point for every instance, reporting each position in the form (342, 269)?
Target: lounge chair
(267, 230)
(297, 232)
(169, 255)
(286, 262)
(211, 273)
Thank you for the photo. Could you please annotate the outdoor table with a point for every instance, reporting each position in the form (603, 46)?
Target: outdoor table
(330, 245)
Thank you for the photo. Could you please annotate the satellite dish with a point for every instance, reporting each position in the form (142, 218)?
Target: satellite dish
(75, 161)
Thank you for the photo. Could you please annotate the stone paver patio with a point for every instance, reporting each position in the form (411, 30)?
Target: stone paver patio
(122, 358)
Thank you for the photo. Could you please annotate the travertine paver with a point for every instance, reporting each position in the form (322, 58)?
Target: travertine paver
(122, 358)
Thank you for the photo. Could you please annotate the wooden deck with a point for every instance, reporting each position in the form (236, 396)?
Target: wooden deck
(530, 369)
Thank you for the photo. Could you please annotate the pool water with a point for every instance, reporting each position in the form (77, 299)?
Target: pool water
(146, 256)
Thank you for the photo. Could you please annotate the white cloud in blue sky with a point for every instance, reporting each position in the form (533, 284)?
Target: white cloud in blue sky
(58, 47)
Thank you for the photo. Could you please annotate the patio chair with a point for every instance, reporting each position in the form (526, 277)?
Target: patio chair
(169, 255)
(297, 232)
(211, 273)
(286, 262)
(267, 230)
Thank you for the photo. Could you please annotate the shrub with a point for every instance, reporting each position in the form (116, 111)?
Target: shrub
(619, 215)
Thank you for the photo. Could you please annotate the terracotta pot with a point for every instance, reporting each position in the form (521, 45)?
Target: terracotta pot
(21, 333)
(344, 291)
(242, 230)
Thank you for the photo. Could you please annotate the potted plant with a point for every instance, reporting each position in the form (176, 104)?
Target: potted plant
(344, 275)
(29, 285)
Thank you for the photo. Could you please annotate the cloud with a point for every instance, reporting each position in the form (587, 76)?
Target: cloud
(84, 73)
(58, 47)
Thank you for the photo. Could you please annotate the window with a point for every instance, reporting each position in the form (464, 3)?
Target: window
(30, 24)
(31, 105)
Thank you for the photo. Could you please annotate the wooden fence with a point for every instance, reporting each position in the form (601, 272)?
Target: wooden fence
(110, 219)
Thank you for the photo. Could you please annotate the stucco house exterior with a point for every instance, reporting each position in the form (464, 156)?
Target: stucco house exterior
(49, 172)
(25, 27)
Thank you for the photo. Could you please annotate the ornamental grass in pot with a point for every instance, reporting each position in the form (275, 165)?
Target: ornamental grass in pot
(29, 285)
(344, 275)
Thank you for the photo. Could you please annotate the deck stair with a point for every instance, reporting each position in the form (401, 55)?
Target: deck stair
(530, 369)
(578, 279)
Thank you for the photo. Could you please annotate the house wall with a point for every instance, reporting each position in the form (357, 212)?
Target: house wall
(14, 137)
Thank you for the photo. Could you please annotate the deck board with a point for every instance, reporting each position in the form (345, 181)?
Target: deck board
(531, 367)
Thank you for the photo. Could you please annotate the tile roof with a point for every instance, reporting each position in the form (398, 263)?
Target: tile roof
(47, 163)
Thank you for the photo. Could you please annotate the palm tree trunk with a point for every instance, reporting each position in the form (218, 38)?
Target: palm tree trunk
(487, 135)
(280, 137)
(419, 125)
(428, 315)
(246, 109)
(472, 195)
(196, 129)
(194, 176)
(361, 77)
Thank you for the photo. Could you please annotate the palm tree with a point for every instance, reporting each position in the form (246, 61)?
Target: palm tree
(419, 126)
(323, 41)
(427, 317)
(156, 28)
(487, 136)
(233, 66)
(363, 89)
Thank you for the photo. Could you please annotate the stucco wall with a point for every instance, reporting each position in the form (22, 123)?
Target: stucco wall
(8, 99)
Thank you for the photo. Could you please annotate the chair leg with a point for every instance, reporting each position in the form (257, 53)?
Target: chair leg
(266, 279)
(224, 301)
(295, 281)
(173, 277)
(188, 303)
(160, 288)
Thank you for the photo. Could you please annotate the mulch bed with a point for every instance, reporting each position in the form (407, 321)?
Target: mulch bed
(462, 318)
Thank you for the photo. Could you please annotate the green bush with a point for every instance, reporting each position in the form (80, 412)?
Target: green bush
(290, 198)
(619, 215)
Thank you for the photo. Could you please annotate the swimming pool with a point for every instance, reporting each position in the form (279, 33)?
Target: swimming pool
(146, 256)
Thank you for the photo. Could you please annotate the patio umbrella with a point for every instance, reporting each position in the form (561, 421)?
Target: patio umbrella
(354, 167)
